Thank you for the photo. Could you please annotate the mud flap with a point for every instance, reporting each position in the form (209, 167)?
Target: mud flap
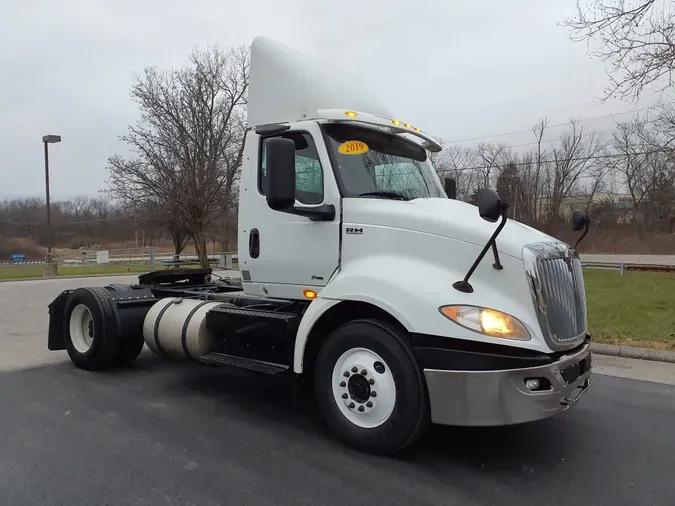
(57, 308)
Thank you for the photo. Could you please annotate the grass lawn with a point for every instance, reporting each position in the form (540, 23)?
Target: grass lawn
(35, 271)
(636, 309)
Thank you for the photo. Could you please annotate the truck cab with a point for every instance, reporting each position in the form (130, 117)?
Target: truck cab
(402, 306)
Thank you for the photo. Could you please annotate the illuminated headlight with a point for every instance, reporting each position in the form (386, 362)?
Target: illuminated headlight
(489, 322)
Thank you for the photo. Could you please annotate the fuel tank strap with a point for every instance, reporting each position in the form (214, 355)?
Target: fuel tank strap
(183, 334)
(155, 332)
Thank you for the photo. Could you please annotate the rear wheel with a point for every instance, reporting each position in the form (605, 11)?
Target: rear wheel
(369, 387)
(90, 329)
(81, 328)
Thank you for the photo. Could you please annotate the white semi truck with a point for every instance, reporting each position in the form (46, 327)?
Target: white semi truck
(360, 272)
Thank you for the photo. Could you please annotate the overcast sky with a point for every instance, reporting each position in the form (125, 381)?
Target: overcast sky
(458, 70)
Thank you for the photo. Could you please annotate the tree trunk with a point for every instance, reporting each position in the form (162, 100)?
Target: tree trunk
(202, 253)
(179, 241)
(225, 242)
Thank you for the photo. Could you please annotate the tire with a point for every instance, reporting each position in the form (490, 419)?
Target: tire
(94, 342)
(388, 422)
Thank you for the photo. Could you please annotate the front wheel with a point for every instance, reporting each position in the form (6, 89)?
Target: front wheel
(369, 387)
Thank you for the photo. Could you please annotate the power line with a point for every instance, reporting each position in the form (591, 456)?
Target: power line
(571, 106)
(558, 139)
(563, 160)
(528, 130)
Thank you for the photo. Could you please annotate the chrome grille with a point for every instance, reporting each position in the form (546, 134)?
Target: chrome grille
(558, 291)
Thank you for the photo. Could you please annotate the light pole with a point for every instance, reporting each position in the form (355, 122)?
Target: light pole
(50, 268)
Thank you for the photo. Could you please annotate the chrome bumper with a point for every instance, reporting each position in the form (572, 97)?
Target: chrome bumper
(488, 398)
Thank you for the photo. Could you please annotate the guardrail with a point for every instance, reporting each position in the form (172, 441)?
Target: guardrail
(623, 267)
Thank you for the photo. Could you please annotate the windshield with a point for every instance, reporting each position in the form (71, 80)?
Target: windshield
(374, 164)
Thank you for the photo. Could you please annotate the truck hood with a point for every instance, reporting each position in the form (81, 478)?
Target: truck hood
(443, 217)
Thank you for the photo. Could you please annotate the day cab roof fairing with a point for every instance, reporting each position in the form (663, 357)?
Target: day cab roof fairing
(288, 86)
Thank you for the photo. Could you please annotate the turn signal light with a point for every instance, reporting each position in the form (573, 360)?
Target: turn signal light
(309, 294)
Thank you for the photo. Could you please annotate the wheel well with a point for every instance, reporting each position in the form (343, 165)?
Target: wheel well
(337, 315)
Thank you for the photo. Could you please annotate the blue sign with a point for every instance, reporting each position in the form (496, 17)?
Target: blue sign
(18, 257)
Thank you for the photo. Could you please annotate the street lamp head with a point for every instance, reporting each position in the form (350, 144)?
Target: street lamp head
(51, 139)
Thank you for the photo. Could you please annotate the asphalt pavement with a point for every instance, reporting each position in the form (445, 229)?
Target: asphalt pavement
(158, 433)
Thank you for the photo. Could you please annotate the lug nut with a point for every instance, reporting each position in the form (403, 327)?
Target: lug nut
(371, 381)
(363, 372)
(343, 384)
(369, 404)
(344, 396)
(351, 405)
(373, 393)
(355, 369)
(346, 374)
(361, 409)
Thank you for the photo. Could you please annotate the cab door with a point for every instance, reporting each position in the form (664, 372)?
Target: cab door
(281, 254)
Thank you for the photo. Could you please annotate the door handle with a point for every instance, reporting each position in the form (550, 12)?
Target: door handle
(254, 243)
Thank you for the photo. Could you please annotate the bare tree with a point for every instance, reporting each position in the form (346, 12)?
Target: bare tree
(81, 221)
(165, 218)
(576, 154)
(508, 185)
(458, 162)
(636, 37)
(492, 157)
(629, 143)
(188, 144)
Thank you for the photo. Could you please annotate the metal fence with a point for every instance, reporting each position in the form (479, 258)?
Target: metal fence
(137, 257)
(152, 260)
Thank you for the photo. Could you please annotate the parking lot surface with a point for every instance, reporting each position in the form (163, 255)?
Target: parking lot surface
(159, 433)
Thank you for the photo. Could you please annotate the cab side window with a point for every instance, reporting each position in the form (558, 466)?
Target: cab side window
(308, 171)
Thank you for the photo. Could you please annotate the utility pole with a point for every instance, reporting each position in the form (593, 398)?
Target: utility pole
(50, 266)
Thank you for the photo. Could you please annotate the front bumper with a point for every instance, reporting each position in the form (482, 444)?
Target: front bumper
(490, 398)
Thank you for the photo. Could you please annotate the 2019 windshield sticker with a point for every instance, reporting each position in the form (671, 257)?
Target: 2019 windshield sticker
(353, 148)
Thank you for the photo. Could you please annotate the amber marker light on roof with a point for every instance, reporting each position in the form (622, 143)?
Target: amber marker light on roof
(351, 114)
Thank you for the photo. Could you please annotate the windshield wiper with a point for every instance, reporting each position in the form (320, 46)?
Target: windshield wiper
(386, 195)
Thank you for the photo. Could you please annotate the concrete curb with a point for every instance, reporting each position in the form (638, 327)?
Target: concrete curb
(631, 352)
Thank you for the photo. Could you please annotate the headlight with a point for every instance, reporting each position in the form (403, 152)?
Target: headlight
(489, 322)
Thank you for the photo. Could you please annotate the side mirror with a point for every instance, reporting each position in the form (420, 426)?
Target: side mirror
(490, 208)
(579, 220)
(451, 188)
(280, 164)
(490, 205)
